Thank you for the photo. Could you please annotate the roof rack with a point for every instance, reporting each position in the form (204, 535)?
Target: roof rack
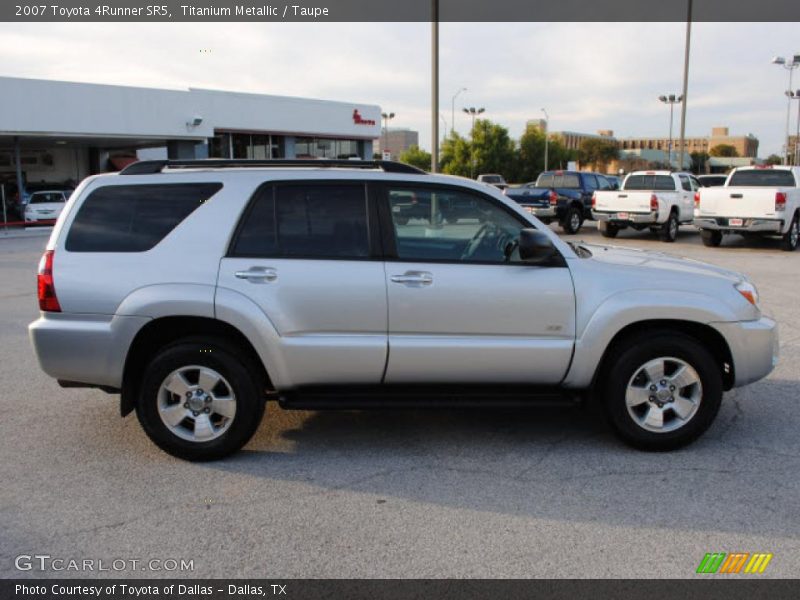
(149, 167)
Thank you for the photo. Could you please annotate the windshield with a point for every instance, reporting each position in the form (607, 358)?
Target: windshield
(662, 183)
(47, 197)
(492, 179)
(763, 178)
(559, 180)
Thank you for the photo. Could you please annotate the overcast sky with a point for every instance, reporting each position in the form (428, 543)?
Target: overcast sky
(589, 76)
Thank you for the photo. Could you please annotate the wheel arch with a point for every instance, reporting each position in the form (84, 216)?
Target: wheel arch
(705, 334)
(158, 333)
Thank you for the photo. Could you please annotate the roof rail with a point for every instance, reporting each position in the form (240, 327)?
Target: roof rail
(149, 167)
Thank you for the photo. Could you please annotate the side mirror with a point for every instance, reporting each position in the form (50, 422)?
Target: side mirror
(535, 246)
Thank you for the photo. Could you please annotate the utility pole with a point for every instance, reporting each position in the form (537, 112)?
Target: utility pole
(546, 136)
(672, 101)
(434, 86)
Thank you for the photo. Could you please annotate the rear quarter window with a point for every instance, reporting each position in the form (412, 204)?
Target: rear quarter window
(134, 218)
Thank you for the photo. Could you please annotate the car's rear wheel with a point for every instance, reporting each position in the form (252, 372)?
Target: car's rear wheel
(608, 229)
(669, 230)
(200, 400)
(711, 239)
(791, 237)
(572, 221)
(663, 391)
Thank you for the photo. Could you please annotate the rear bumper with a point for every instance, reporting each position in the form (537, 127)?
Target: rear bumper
(754, 347)
(651, 217)
(547, 212)
(89, 349)
(748, 225)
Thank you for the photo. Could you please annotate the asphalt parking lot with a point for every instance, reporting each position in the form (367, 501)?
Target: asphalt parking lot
(441, 493)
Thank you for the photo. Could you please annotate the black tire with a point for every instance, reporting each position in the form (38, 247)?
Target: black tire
(711, 238)
(572, 221)
(608, 229)
(546, 220)
(226, 360)
(791, 237)
(652, 346)
(669, 230)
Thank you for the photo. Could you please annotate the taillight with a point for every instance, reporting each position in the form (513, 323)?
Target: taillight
(46, 289)
(780, 201)
(653, 203)
(553, 198)
(594, 200)
(697, 199)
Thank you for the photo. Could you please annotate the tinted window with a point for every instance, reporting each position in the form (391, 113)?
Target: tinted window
(312, 221)
(467, 227)
(685, 184)
(591, 182)
(134, 218)
(663, 183)
(763, 177)
(568, 181)
(604, 183)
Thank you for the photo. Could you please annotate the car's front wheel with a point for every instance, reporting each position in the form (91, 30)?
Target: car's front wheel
(663, 391)
(199, 400)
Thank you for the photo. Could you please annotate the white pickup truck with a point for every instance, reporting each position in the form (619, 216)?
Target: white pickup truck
(655, 200)
(761, 200)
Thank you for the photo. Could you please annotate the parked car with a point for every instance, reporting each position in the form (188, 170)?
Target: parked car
(200, 291)
(45, 206)
(655, 200)
(494, 179)
(759, 201)
(711, 180)
(563, 196)
(16, 205)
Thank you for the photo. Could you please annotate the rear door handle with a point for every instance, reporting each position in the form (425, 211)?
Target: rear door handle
(414, 278)
(257, 274)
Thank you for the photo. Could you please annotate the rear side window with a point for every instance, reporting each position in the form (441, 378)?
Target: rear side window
(305, 221)
(763, 177)
(134, 218)
(659, 183)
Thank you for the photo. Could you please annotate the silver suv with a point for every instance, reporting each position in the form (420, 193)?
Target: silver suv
(200, 289)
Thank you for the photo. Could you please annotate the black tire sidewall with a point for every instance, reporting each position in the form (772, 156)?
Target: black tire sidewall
(787, 238)
(640, 351)
(567, 222)
(249, 400)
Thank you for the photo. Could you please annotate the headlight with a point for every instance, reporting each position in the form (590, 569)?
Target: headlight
(749, 291)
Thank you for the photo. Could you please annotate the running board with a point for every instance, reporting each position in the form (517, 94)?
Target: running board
(425, 396)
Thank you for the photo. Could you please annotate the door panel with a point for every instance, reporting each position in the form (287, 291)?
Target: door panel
(462, 307)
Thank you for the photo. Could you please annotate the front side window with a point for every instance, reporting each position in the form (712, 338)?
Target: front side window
(134, 218)
(305, 221)
(452, 226)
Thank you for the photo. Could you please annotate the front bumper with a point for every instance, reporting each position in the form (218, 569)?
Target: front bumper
(754, 347)
(651, 217)
(748, 225)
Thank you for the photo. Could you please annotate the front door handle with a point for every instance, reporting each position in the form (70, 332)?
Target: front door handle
(257, 274)
(414, 278)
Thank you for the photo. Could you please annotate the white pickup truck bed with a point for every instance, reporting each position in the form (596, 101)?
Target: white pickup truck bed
(754, 200)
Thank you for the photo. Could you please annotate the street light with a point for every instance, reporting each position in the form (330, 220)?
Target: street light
(796, 96)
(790, 64)
(453, 110)
(546, 135)
(386, 118)
(474, 112)
(672, 100)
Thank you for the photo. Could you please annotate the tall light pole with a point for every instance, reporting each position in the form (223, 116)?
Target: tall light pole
(453, 110)
(386, 118)
(685, 94)
(672, 100)
(790, 64)
(434, 87)
(546, 136)
(474, 112)
(796, 96)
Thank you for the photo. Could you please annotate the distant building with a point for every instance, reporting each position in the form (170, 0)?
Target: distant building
(397, 141)
(746, 145)
(572, 140)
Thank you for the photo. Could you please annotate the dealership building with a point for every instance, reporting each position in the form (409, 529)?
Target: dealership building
(60, 132)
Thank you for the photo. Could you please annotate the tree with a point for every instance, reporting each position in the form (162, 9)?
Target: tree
(773, 159)
(726, 150)
(454, 157)
(597, 151)
(417, 157)
(530, 155)
(490, 150)
(699, 160)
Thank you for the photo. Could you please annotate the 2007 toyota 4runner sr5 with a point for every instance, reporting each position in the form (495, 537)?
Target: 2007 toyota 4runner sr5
(200, 289)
